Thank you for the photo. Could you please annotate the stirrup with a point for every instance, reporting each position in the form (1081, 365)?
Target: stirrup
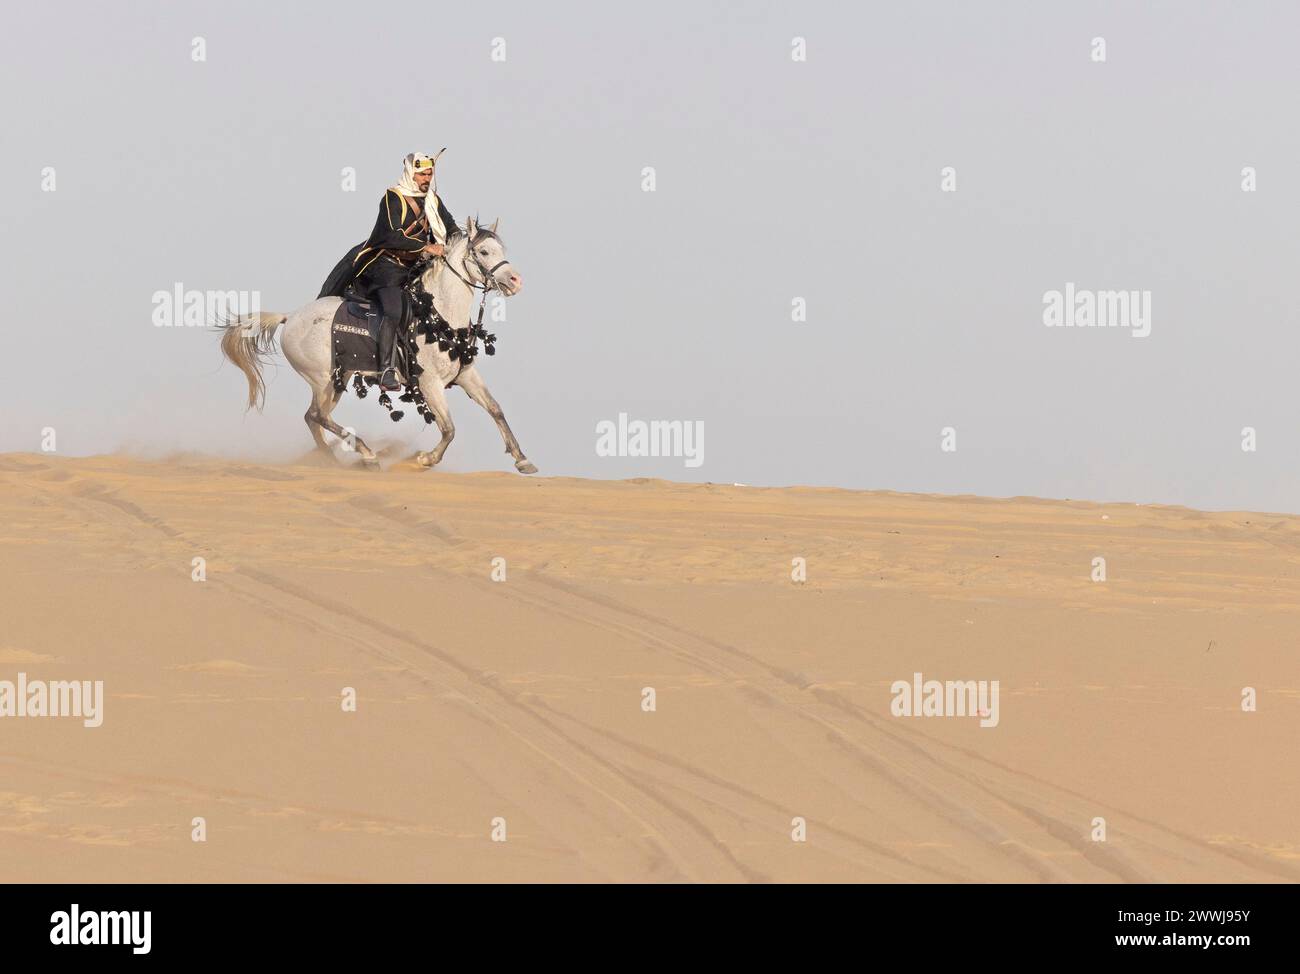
(396, 383)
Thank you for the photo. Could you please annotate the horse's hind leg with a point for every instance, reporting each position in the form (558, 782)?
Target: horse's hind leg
(477, 389)
(311, 417)
(326, 400)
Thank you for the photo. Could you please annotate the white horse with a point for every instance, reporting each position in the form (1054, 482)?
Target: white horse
(306, 340)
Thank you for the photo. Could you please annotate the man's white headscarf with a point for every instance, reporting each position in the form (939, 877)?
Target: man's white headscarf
(423, 162)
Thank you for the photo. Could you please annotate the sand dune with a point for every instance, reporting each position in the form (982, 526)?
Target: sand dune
(522, 699)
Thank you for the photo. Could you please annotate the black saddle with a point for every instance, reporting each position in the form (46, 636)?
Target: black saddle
(358, 305)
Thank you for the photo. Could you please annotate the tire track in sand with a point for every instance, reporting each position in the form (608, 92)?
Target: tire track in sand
(691, 847)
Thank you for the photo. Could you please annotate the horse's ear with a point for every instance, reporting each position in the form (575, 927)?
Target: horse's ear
(495, 223)
(469, 227)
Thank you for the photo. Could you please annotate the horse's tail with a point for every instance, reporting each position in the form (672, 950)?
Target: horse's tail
(246, 341)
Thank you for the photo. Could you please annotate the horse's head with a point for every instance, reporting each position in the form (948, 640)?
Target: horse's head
(485, 259)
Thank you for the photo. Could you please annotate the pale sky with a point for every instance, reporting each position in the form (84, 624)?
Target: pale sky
(776, 179)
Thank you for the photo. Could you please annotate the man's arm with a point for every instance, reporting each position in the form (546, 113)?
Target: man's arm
(388, 234)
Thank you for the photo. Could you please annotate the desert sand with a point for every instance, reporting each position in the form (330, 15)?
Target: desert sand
(521, 700)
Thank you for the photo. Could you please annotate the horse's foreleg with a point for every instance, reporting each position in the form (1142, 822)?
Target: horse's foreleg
(477, 389)
(436, 400)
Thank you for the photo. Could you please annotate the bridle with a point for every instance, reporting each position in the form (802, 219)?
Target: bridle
(489, 280)
(488, 273)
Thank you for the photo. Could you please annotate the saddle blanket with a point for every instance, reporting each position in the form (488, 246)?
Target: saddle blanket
(355, 333)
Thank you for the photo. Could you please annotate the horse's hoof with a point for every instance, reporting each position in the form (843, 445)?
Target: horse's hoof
(525, 466)
(424, 460)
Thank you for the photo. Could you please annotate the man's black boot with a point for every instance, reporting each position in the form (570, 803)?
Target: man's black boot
(387, 347)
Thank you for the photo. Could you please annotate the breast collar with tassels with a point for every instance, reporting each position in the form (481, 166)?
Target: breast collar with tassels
(489, 281)
(462, 349)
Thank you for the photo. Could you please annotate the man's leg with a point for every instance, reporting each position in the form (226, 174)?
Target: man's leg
(382, 282)
(390, 306)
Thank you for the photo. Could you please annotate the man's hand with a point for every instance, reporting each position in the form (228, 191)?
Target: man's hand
(433, 250)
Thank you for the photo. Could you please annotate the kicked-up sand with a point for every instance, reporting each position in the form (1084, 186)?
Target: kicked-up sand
(624, 682)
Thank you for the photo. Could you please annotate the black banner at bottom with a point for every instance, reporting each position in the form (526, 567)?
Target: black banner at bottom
(331, 924)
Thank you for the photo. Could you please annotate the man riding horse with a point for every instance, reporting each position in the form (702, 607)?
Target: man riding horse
(413, 223)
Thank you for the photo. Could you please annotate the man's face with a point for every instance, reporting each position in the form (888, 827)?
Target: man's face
(422, 179)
